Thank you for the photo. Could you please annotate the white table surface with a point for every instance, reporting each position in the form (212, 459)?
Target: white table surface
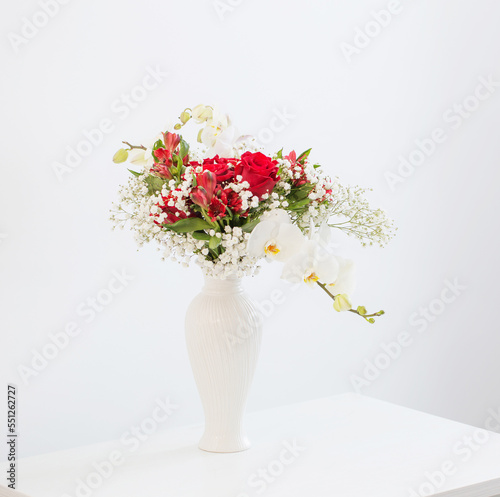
(350, 446)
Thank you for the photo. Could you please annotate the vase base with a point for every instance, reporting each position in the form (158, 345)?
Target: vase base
(221, 446)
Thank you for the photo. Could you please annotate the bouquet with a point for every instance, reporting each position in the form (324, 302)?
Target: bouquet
(224, 203)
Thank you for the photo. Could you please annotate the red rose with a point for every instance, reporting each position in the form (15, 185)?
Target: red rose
(260, 171)
(223, 168)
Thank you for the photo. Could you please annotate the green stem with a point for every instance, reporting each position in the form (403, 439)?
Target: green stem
(141, 147)
(354, 311)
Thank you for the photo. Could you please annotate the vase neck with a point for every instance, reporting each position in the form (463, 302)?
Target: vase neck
(216, 286)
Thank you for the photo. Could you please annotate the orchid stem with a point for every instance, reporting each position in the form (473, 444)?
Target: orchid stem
(141, 147)
(355, 311)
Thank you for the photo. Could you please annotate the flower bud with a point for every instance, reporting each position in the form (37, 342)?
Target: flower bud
(342, 303)
(178, 126)
(120, 156)
(184, 117)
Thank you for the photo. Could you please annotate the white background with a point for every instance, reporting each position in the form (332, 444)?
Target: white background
(359, 115)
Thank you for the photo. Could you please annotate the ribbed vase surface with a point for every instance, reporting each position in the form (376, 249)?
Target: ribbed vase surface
(223, 335)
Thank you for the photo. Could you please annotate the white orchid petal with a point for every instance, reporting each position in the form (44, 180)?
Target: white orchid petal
(345, 282)
(137, 157)
(278, 216)
(290, 240)
(325, 233)
(264, 232)
(295, 268)
(327, 268)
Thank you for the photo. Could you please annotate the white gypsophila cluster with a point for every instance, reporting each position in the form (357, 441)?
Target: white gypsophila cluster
(234, 260)
(139, 211)
(246, 143)
(134, 208)
(345, 208)
(350, 211)
(319, 195)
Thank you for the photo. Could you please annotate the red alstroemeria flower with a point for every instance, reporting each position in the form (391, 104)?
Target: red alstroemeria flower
(231, 199)
(163, 155)
(171, 141)
(203, 194)
(302, 179)
(162, 168)
(216, 209)
(173, 214)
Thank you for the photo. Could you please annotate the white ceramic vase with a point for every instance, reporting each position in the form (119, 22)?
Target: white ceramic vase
(223, 334)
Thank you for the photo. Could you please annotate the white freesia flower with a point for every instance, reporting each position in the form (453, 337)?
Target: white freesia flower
(275, 237)
(313, 263)
(345, 282)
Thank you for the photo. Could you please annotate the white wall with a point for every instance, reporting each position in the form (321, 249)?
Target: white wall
(57, 248)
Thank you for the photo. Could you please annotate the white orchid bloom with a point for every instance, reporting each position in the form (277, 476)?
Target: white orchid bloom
(213, 128)
(312, 264)
(275, 237)
(345, 282)
(201, 113)
(140, 157)
(224, 143)
(137, 157)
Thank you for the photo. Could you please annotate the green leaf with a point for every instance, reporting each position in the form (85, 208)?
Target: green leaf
(189, 224)
(248, 227)
(316, 166)
(135, 173)
(184, 149)
(154, 183)
(304, 155)
(299, 204)
(158, 144)
(300, 193)
(279, 155)
(214, 242)
(201, 235)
